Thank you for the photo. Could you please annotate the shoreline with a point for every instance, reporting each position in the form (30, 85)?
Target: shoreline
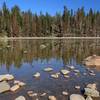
(25, 38)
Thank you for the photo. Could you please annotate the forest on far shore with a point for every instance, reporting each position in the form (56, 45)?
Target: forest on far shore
(16, 23)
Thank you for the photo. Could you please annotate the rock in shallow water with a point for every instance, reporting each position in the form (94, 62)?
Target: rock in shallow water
(55, 76)
(14, 88)
(48, 69)
(76, 97)
(91, 92)
(20, 98)
(52, 98)
(64, 71)
(65, 93)
(37, 75)
(19, 83)
(4, 86)
(6, 77)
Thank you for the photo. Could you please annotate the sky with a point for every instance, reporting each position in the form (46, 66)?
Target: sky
(52, 6)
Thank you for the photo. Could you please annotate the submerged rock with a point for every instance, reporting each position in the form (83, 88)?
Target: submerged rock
(64, 71)
(76, 97)
(48, 69)
(52, 98)
(37, 75)
(77, 71)
(91, 92)
(6, 77)
(14, 88)
(20, 98)
(4, 86)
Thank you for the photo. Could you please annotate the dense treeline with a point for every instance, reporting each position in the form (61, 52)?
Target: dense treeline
(15, 23)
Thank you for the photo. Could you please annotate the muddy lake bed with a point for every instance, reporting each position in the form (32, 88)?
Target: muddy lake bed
(23, 58)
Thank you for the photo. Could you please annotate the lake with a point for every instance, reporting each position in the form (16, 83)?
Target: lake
(23, 58)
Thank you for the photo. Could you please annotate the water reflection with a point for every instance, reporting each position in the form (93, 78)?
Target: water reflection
(17, 52)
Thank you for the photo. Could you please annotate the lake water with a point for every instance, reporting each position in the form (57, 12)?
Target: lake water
(23, 58)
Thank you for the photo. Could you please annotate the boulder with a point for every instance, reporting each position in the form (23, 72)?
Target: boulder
(4, 86)
(76, 97)
(14, 88)
(92, 61)
(64, 71)
(48, 69)
(91, 92)
(6, 77)
(20, 98)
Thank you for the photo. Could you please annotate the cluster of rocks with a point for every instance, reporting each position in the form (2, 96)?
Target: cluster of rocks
(56, 75)
(89, 92)
(5, 86)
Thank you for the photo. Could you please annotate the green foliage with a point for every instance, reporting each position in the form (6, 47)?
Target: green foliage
(16, 23)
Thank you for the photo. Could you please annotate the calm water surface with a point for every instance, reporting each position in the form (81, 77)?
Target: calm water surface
(22, 58)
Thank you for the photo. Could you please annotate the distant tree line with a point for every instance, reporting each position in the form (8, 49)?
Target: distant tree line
(15, 23)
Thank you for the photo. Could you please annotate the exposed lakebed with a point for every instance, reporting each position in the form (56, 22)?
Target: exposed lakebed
(24, 58)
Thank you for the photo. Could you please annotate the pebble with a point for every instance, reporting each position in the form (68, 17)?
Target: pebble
(65, 93)
(37, 75)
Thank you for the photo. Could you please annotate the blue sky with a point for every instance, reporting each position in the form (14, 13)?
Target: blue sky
(52, 6)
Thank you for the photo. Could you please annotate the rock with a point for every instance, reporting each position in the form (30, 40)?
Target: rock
(65, 93)
(92, 86)
(4, 86)
(20, 98)
(6, 77)
(91, 92)
(43, 94)
(14, 88)
(76, 97)
(92, 74)
(52, 98)
(66, 76)
(77, 71)
(64, 71)
(77, 87)
(31, 94)
(55, 76)
(71, 67)
(92, 61)
(37, 75)
(19, 83)
(89, 98)
(48, 69)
